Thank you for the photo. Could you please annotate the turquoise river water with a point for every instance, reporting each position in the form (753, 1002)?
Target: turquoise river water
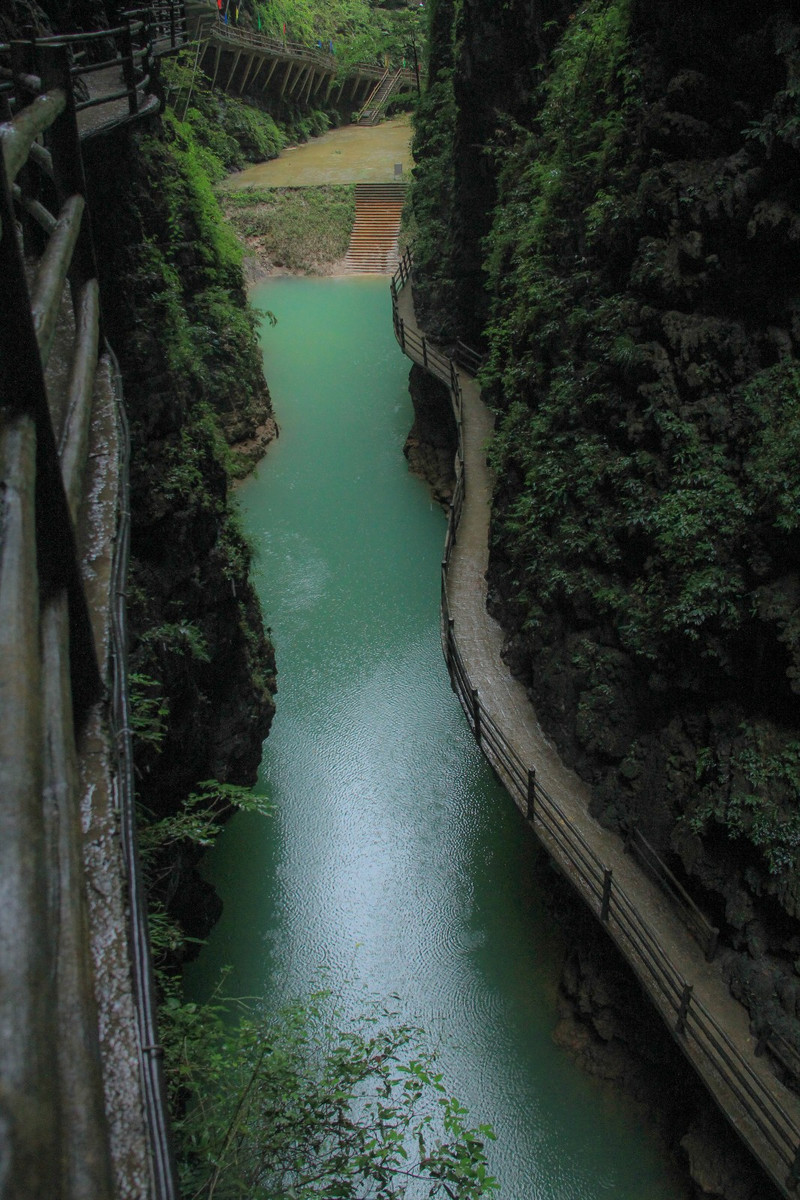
(393, 859)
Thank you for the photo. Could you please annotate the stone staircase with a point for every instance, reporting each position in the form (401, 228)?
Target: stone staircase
(373, 242)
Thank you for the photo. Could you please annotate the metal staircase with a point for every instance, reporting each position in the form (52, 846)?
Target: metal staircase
(386, 86)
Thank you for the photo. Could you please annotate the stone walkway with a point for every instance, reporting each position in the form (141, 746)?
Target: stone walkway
(771, 1129)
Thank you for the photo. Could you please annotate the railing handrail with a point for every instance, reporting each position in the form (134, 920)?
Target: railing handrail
(132, 58)
(695, 920)
(94, 35)
(51, 480)
(693, 1021)
(289, 49)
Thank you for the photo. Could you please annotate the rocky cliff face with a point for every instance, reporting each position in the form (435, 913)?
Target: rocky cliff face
(433, 439)
(175, 312)
(639, 166)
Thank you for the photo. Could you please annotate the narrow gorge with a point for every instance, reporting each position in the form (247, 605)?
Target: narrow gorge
(604, 219)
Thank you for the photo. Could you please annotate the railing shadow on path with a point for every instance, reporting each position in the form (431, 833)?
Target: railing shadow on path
(638, 902)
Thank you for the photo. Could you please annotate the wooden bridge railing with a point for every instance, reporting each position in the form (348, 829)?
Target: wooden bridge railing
(288, 49)
(693, 1025)
(695, 921)
(125, 48)
(220, 33)
(166, 24)
(54, 1135)
(126, 51)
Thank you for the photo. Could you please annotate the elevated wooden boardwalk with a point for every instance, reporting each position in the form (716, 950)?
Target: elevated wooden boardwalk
(241, 60)
(711, 1028)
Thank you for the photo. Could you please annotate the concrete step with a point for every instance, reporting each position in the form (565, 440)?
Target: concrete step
(373, 241)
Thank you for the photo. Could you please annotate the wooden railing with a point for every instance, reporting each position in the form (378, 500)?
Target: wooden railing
(125, 48)
(693, 1025)
(57, 1143)
(165, 23)
(372, 95)
(314, 55)
(127, 51)
(695, 921)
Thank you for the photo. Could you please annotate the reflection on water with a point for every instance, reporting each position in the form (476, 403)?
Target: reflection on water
(393, 857)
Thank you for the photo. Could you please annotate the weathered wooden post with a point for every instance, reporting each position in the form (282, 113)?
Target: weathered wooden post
(402, 335)
(476, 715)
(793, 1178)
(450, 641)
(531, 794)
(605, 903)
(451, 520)
(683, 1010)
(128, 66)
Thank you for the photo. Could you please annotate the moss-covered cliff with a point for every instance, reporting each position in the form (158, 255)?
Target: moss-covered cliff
(175, 311)
(622, 233)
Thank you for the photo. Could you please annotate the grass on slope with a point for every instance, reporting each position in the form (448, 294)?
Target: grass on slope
(298, 229)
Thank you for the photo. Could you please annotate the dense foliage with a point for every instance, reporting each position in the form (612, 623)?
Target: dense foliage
(175, 308)
(227, 132)
(309, 1102)
(643, 336)
(353, 29)
(644, 455)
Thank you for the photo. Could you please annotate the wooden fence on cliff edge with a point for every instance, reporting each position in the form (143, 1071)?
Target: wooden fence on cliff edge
(126, 51)
(692, 1022)
(57, 1143)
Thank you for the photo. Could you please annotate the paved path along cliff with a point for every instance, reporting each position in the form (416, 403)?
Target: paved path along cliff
(764, 1113)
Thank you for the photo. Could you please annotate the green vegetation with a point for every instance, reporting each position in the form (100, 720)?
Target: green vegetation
(301, 229)
(357, 30)
(432, 188)
(645, 522)
(226, 132)
(308, 1102)
(750, 788)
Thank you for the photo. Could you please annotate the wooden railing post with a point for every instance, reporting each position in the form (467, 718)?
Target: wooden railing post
(793, 1178)
(452, 522)
(65, 148)
(531, 797)
(605, 903)
(712, 945)
(128, 66)
(476, 715)
(402, 335)
(683, 1010)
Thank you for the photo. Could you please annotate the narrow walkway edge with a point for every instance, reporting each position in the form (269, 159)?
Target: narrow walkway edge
(709, 1025)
